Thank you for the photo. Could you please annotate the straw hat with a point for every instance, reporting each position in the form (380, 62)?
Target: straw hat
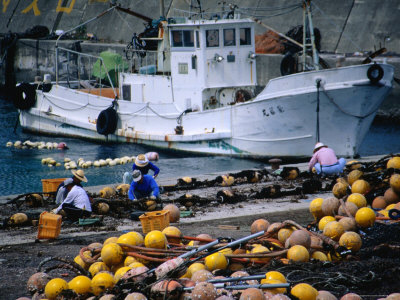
(318, 145)
(137, 175)
(79, 174)
(141, 160)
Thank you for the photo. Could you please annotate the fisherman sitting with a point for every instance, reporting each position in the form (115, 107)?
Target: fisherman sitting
(325, 162)
(143, 186)
(77, 178)
(143, 164)
(77, 204)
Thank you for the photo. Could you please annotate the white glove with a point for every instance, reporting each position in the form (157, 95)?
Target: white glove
(54, 211)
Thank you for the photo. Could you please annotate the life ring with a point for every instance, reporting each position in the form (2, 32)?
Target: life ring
(107, 121)
(24, 96)
(375, 73)
(288, 65)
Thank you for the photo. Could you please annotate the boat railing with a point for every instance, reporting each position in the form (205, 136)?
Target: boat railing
(149, 62)
(75, 70)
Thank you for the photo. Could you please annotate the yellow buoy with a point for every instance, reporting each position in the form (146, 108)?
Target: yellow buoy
(54, 287)
(298, 253)
(112, 254)
(358, 199)
(193, 268)
(353, 165)
(315, 208)
(273, 291)
(120, 272)
(216, 261)
(339, 190)
(351, 240)
(132, 238)
(365, 217)
(155, 239)
(284, 234)
(304, 291)
(260, 249)
(325, 220)
(334, 230)
(276, 276)
(394, 162)
(319, 255)
(80, 285)
(172, 231)
(360, 186)
(395, 182)
(97, 267)
(101, 282)
(353, 176)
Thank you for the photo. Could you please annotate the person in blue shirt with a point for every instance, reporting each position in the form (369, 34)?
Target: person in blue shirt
(143, 186)
(142, 164)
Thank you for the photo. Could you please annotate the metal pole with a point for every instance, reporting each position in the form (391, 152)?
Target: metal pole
(162, 9)
(314, 49)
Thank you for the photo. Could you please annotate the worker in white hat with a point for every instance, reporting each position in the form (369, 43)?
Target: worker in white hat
(325, 162)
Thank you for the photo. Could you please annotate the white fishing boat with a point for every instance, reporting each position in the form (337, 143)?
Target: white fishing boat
(197, 92)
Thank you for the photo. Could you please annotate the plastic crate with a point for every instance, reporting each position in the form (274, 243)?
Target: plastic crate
(49, 225)
(51, 185)
(154, 220)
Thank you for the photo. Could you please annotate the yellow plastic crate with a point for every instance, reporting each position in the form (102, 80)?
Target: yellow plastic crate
(154, 220)
(49, 225)
(51, 185)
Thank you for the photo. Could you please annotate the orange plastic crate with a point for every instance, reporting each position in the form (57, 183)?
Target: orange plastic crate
(49, 225)
(154, 220)
(51, 185)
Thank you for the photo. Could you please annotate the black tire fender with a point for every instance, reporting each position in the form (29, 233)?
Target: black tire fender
(375, 73)
(24, 96)
(107, 121)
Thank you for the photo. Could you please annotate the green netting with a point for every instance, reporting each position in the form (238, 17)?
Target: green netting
(112, 62)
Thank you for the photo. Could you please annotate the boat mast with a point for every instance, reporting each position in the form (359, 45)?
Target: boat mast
(162, 9)
(309, 41)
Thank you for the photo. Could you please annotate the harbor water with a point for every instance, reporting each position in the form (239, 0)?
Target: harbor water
(21, 169)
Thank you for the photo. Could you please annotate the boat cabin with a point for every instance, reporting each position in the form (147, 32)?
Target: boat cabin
(198, 65)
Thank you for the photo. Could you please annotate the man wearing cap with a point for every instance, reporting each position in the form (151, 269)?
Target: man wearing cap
(325, 162)
(143, 186)
(77, 204)
(142, 164)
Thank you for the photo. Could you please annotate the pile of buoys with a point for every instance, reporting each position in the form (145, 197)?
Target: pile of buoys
(130, 260)
(37, 145)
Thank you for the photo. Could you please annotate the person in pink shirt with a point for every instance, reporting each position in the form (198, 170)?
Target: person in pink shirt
(325, 162)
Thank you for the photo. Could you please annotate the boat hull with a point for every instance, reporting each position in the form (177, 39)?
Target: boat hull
(282, 121)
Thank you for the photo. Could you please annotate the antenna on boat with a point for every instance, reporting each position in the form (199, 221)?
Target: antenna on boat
(308, 35)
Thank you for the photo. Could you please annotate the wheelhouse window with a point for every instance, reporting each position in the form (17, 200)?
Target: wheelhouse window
(245, 36)
(197, 39)
(229, 37)
(182, 38)
(212, 37)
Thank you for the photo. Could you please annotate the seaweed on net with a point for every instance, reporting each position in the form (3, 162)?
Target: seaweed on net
(381, 233)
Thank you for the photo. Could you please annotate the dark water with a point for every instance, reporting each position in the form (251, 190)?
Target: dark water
(21, 170)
